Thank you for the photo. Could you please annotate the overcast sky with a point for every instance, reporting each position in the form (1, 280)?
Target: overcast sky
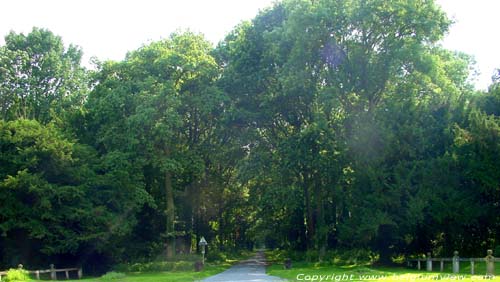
(108, 29)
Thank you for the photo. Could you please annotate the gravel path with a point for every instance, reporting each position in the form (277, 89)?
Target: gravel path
(252, 270)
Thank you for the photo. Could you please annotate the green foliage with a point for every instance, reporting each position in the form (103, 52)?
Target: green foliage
(336, 257)
(319, 126)
(40, 78)
(496, 251)
(349, 111)
(216, 256)
(54, 193)
(156, 266)
(112, 275)
(17, 275)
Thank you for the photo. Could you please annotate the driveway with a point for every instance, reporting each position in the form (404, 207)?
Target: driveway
(252, 270)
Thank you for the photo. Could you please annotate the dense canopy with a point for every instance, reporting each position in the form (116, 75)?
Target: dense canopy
(319, 126)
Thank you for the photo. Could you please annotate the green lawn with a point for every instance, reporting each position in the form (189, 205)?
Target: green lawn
(304, 271)
(174, 276)
(312, 272)
(177, 275)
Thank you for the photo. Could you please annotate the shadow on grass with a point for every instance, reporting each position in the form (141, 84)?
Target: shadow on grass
(303, 271)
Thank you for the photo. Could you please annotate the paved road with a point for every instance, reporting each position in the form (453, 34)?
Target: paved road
(252, 270)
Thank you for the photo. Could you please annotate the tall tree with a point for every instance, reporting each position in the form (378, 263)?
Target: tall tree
(39, 77)
(58, 199)
(164, 103)
(307, 77)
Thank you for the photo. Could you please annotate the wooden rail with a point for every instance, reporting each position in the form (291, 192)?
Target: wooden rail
(52, 270)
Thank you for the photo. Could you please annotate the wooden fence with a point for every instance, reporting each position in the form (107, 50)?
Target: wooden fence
(52, 270)
(455, 262)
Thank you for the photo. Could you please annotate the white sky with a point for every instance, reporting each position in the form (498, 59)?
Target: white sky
(108, 29)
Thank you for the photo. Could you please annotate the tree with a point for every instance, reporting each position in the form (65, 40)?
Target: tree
(161, 107)
(57, 198)
(307, 79)
(39, 78)
(319, 125)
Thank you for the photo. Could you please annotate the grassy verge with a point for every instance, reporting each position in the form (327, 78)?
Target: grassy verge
(181, 270)
(302, 271)
(169, 276)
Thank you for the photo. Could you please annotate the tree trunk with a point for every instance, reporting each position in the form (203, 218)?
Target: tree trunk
(193, 193)
(320, 232)
(170, 213)
(309, 213)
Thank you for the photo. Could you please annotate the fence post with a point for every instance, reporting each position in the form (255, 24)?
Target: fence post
(441, 265)
(472, 266)
(53, 274)
(456, 262)
(67, 274)
(37, 273)
(429, 262)
(418, 264)
(80, 273)
(490, 263)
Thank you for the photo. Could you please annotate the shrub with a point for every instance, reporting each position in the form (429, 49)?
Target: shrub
(496, 252)
(113, 275)
(355, 256)
(330, 257)
(184, 266)
(17, 275)
(311, 256)
(156, 266)
(216, 256)
(185, 257)
(293, 255)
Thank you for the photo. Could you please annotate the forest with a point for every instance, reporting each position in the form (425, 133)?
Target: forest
(317, 127)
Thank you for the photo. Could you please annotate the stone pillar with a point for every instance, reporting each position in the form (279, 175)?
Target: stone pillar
(198, 266)
(53, 274)
(490, 263)
(288, 263)
(429, 262)
(456, 262)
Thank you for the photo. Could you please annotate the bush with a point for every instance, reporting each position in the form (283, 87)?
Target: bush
(184, 266)
(312, 256)
(156, 266)
(331, 257)
(185, 257)
(496, 251)
(17, 275)
(113, 275)
(215, 256)
(355, 256)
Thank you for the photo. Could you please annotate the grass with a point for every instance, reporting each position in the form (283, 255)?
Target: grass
(302, 271)
(181, 275)
(170, 276)
(307, 271)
